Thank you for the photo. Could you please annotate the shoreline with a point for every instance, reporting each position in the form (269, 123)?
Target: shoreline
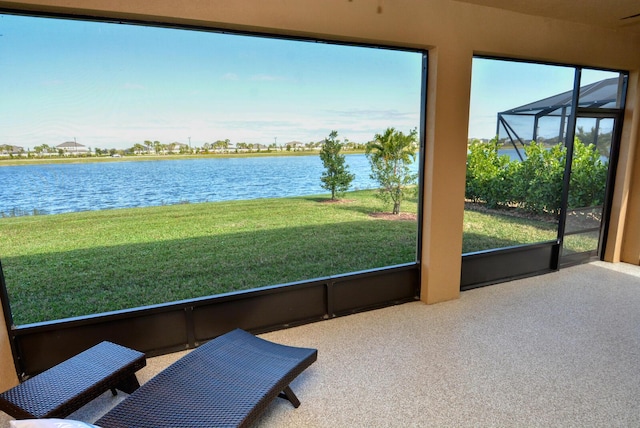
(150, 158)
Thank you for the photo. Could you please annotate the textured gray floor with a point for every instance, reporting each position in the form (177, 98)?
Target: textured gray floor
(559, 350)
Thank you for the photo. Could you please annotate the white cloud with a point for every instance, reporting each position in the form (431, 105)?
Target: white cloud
(266, 78)
(230, 76)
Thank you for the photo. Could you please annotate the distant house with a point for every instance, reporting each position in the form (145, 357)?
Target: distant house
(9, 150)
(177, 147)
(294, 145)
(71, 147)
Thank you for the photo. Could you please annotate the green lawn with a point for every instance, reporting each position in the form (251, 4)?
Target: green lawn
(58, 266)
(493, 229)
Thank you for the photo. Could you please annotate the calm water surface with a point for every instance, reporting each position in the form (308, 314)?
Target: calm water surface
(54, 189)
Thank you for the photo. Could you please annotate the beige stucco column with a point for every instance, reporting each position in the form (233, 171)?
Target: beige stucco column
(449, 87)
(8, 377)
(623, 243)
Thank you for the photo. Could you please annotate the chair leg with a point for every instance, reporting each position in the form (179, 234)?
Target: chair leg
(288, 394)
(129, 385)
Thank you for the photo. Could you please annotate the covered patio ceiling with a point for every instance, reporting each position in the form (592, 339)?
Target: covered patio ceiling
(621, 15)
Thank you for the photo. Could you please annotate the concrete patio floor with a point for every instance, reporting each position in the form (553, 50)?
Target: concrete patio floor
(560, 350)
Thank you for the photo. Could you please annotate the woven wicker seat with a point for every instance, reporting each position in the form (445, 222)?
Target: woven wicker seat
(64, 388)
(227, 382)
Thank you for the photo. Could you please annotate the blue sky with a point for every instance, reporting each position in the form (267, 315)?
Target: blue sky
(498, 85)
(111, 86)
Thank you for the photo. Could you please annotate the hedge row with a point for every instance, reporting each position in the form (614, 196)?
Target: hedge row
(534, 184)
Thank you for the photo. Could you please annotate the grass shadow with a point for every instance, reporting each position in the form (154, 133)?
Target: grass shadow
(57, 285)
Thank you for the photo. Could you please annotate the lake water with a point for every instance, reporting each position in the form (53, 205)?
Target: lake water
(60, 188)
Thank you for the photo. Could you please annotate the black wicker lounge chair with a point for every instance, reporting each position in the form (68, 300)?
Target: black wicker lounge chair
(66, 387)
(227, 382)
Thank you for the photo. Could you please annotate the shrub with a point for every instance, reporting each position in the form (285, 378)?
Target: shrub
(538, 179)
(588, 176)
(534, 184)
(488, 174)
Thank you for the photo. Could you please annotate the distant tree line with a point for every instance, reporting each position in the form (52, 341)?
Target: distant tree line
(149, 147)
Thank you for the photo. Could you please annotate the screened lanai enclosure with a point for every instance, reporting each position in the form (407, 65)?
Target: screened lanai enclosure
(546, 120)
(549, 175)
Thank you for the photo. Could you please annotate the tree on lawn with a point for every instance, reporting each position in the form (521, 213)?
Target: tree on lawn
(336, 176)
(390, 155)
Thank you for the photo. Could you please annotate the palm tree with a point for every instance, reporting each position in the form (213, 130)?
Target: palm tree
(148, 144)
(390, 155)
(138, 148)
